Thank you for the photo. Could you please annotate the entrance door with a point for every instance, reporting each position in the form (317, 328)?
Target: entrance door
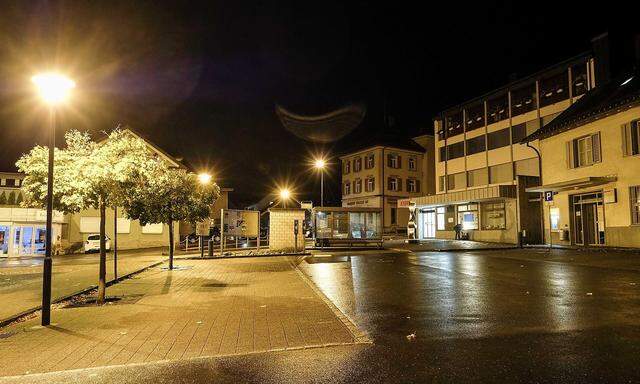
(429, 225)
(5, 235)
(588, 219)
(23, 244)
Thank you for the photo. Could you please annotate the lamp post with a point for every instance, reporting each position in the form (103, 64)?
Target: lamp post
(204, 178)
(54, 90)
(320, 164)
(285, 194)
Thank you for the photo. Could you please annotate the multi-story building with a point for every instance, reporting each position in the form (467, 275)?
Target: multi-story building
(380, 174)
(23, 230)
(482, 170)
(591, 168)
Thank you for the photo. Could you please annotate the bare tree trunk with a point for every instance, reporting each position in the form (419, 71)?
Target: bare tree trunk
(170, 244)
(102, 284)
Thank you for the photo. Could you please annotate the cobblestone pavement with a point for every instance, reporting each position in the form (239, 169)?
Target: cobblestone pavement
(21, 278)
(206, 308)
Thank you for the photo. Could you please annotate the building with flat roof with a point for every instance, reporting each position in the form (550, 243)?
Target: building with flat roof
(482, 171)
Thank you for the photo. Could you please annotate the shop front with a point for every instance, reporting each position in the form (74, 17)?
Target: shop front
(23, 231)
(483, 214)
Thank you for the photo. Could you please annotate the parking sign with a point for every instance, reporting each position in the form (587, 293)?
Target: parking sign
(548, 196)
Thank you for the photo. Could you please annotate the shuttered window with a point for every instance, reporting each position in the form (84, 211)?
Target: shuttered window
(634, 195)
(631, 138)
(584, 151)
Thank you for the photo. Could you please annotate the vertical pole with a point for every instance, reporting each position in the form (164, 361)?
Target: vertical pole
(258, 240)
(221, 230)
(550, 238)
(201, 246)
(321, 187)
(115, 242)
(48, 263)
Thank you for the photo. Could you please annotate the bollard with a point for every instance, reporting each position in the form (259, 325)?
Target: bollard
(210, 247)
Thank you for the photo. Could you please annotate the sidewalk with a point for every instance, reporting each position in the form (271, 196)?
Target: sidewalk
(207, 308)
(21, 278)
(430, 245)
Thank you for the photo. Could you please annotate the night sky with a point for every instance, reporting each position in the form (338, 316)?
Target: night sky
(202, 81)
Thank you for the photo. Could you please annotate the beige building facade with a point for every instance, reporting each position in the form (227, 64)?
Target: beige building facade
(379, 176)
(591, 169)
(482, 171)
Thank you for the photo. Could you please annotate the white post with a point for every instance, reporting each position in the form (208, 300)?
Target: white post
(221, 230)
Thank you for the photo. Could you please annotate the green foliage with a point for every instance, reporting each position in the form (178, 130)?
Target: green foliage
(3, 198)
(19, 199)
(12, 198)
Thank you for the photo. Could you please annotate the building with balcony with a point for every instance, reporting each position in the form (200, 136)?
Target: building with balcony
(386, 170)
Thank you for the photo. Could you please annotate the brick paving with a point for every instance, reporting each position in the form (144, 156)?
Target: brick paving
(212, 307)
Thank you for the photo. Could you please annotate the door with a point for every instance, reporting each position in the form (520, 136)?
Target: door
(429, 225)
(588, 219)
(23, 241)
(589, 223)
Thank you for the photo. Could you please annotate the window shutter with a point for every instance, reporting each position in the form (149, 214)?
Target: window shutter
(388, 183)
(417, 185)
(388, 160)
(570, 160)
(399, 183)
(399, 161)
(626, 139)
(595, 142)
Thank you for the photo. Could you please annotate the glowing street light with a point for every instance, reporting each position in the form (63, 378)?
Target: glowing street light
(54, 89)
(285, 194)
(320, 165)
(204, 178)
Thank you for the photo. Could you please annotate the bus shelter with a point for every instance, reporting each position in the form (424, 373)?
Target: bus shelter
(347, 226)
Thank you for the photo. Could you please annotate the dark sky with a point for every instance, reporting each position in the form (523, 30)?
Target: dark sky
(202, 81)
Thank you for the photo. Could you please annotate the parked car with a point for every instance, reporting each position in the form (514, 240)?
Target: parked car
(93, 243)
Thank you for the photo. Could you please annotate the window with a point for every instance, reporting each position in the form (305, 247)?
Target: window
(357, 164)
(554, 89)
(493, 216)
(454, 124)
(518, 132)
(340, 228)
(347, 188)
(631, 138)
(443, 153)
(369, 161)
(347, 166)
(579, 79)
(478, 177)
(412, 164)
(413, 185)
(455, 150)
(502, 173)
(456, 181)
(369, 185)
(357, 186)
(11, 183)
(523, 100)
(394, 215)
(634, 194)
(554, 214)
(583, 151)
(468, 216)
(527, 167)
(476, 145)
(393, 161)
(497, 109)
(394, 184)
(441, 183)
(498, 139)
(440, 220)
(532, 126)
(475, 117)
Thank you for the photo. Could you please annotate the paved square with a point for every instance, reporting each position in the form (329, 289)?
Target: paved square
(212, 307)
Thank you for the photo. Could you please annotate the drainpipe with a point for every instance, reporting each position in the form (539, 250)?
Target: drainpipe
(528, 144)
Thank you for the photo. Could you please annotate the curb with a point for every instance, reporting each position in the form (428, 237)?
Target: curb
(239, 256)
(359, 336)
(15, 318)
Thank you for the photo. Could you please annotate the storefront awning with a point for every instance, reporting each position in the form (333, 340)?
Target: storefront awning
(584, 182)
(495, 192)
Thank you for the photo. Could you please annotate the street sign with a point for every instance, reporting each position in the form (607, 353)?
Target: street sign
(202, 228)
(306, 205)
(548, 196)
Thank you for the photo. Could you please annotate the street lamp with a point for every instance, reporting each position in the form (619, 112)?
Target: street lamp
(320, 165)
(54, 89)
(204, 178)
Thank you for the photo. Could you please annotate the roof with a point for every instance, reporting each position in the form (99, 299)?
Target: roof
(519, 82)
(621, 93)
(155, 148)
(383, 140)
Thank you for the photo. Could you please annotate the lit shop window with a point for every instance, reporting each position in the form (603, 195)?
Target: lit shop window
(555, 217)
(468, 216)
(440, 218)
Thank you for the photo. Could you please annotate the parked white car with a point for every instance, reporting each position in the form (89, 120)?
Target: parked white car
(93, 243)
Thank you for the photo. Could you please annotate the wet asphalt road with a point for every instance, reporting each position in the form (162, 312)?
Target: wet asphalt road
(504, 316)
